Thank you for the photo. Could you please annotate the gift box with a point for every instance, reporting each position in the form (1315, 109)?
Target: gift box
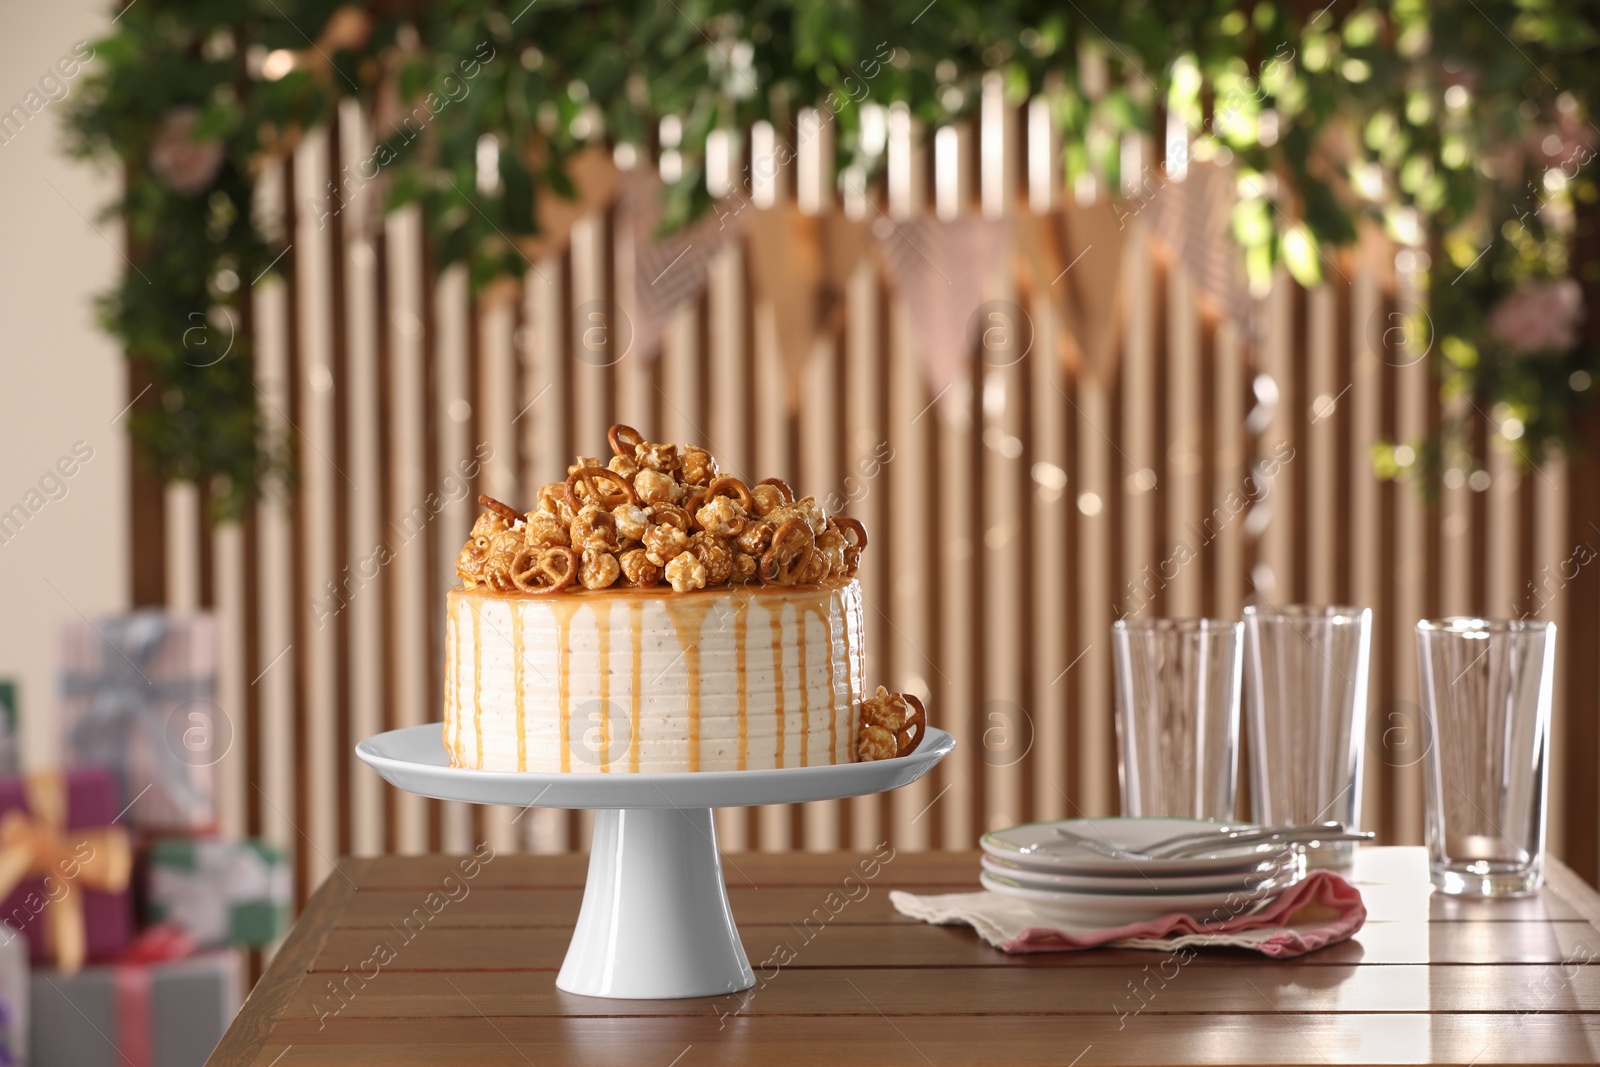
(137, 695)
(221, 892)
(160, 1014)
(8, 729)
(64, 866)
(13, 997)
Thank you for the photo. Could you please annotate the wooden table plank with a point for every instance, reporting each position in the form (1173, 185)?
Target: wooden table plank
(1429, 979)
(1125, 989)
(542, 948)
(871, 1041)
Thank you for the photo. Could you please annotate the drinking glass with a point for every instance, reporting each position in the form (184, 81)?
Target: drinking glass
(1305, 694)
(1486, 687)
(1178, 715)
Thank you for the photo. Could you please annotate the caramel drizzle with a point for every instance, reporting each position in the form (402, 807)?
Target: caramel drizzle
(688, 616)
(805, 689)
(477, 678)
(602, 621)
(636, 626)
(517, 675)
(741, 628)
(776, 618)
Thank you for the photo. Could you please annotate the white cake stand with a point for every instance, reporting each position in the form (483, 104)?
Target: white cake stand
(655, 922)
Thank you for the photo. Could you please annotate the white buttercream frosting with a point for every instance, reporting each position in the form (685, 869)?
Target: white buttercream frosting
(626, 680)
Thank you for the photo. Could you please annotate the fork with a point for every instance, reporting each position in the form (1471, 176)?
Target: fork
(1210, 840)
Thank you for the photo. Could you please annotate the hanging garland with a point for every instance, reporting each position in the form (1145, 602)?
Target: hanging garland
(1469, 148)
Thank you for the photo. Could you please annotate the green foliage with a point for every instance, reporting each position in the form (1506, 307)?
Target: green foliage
(1425, 118)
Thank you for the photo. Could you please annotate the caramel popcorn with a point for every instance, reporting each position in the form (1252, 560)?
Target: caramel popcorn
(685, 572)
(640, 569)
(654, 487)
(598, 569)
(631, 520)
(663, 541)
(653, 513)
(892, 724)
(544, 530)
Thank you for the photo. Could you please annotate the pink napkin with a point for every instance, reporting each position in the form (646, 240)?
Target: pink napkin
(1324, 909)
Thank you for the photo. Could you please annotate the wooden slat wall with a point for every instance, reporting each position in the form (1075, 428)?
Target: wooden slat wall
(1007, 526)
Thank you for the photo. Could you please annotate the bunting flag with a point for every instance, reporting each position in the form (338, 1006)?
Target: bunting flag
(786, 266)
(667, 271)
(1193, 219)
(943, 270)
(801, 265)
(1092, 239)
(594, 176)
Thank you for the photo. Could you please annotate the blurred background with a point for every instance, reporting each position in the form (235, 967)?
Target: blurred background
(1110, 312)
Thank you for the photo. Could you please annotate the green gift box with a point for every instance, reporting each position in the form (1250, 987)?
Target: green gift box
(222, 892)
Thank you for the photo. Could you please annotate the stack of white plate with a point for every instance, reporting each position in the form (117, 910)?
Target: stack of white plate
(1071, 883)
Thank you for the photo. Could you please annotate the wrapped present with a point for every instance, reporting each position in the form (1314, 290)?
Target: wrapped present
(137, 695)
(138, 1012)
(13, 997)
(64, 867)
(8, 729)
(222, 892)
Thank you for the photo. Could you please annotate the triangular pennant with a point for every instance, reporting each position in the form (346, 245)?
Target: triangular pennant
(595, 177)
(1193, 219)
(785, 248)
(1092, 238)
(943, 270)
(667, 271)
(844, 245)
(1041, 273)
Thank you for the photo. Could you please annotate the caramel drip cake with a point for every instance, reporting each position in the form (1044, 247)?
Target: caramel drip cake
(653, 614)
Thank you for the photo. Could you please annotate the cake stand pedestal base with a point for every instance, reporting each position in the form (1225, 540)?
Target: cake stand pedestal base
(655, 921)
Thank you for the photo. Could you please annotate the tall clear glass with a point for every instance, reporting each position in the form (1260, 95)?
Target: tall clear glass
(1486, 689)
(1178, 715)
(1305, 698)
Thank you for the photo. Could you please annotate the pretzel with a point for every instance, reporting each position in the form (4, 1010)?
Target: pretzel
(589, 478)
(792, 545)
(505, 511)
(739, 491)
(916, 715)
(847, 525)
(531, 564)
(624, 439)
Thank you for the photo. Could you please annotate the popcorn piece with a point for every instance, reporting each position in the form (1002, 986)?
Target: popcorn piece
(715, 555)
(655, 487)
(631, 521)
(626, 466)
(501, 560)
(875, 743)
(756, 537)
(744, 566)
(553, 501)
(768, 498)
(663, 542)
(584, 461)
(471, 562)
(594, 529)
(640, 569)
(698, 466)
(598, 569)
(488, 524)
(685, 572)
(544, 530)
(661, 458)
(807, 508)
(720, 516)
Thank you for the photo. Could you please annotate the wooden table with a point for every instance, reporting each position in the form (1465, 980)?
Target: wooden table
(401, 961)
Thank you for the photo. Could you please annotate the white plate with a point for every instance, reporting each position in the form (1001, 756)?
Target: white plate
(1101, 911)
(1116, 885)
(414, 759)
(1036, 845)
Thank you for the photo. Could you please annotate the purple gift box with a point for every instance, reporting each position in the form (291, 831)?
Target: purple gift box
(91, 804)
